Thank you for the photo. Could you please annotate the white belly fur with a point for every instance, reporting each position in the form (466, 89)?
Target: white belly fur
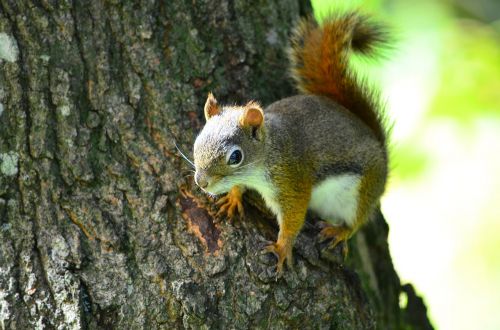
(335, 199)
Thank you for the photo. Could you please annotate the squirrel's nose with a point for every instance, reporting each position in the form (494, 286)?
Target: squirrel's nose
(201, 180)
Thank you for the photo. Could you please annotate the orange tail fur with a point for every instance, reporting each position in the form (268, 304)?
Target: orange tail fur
(320, 63)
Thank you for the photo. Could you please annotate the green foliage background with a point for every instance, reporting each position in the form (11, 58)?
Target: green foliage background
(442, 86)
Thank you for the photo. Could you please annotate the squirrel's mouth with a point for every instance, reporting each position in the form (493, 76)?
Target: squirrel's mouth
(217, 186)
(214, 189)
(213, 184)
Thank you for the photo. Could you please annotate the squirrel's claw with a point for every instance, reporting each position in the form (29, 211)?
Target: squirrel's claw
(337, 235)
(282, 252)
(231, 204)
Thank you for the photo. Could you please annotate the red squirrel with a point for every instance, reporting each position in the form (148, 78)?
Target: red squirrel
(324, 150)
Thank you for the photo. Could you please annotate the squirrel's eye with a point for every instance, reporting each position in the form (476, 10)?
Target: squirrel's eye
(235, 157)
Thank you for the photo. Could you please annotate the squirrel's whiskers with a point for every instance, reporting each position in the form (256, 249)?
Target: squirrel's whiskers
(184, 156)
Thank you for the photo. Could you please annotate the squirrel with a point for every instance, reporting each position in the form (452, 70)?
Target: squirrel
(323, 151)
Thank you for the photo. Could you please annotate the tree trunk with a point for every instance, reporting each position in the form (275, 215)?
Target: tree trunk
(100, 225)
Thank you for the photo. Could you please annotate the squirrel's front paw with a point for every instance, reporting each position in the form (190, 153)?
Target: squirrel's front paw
(231, 204)
(283, 252)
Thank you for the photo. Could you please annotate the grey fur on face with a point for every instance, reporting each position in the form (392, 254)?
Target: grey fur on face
(221, 134)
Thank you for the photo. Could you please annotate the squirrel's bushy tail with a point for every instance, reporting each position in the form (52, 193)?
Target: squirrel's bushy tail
(320, 63)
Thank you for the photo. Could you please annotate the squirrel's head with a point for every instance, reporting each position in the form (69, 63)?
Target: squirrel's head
(230, 146)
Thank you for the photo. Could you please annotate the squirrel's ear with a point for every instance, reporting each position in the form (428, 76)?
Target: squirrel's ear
(211, 107)
(252, 116)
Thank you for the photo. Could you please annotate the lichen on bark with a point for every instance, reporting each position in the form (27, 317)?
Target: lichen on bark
(100, 226)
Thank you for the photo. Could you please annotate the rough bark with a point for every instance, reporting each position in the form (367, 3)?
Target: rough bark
(100, 226)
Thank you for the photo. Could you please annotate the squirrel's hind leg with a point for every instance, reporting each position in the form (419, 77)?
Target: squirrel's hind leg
(336, 234)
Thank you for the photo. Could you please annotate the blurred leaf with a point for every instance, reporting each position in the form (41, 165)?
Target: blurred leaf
(470, 71)
(409, 162)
